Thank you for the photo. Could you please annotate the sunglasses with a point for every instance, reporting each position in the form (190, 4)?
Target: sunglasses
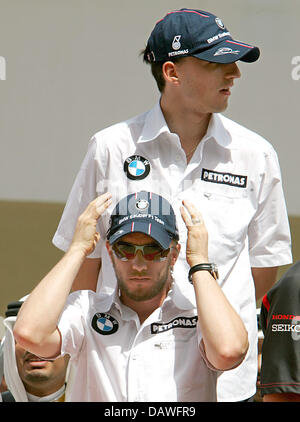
(126, 251)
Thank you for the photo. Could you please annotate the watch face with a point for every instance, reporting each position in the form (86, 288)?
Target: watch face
(214, 269)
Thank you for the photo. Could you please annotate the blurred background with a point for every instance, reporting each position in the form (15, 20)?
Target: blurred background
(69, 68)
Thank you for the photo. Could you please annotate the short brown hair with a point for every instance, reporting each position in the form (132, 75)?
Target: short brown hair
(156, 70)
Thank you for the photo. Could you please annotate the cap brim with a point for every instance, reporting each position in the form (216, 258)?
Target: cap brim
(154, 230)
(229, 51)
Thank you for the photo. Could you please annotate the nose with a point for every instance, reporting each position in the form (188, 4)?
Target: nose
(232, 71)
(139, 263)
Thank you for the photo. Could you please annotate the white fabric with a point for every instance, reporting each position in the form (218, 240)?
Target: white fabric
(135, 362)
(1, 358)
(12, 378)
(11, 374)
(247, 226)
(50, 398)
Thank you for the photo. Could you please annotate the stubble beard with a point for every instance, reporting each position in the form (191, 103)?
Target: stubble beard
(36, 376)
(142, 293)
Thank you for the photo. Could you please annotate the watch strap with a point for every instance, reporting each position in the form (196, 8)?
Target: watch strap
(210, 267)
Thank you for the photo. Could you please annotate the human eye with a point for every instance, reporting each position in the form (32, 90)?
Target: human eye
(151, 252)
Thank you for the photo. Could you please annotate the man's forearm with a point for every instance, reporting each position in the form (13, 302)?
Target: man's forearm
(88, 274)
(35, 328)
(264, 279)
(282, 397)
(224, 334)
(38, 316)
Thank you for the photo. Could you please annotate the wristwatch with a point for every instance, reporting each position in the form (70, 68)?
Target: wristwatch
(210, 267)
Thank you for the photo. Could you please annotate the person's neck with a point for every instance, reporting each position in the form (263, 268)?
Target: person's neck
(191, 128)
(39, 390)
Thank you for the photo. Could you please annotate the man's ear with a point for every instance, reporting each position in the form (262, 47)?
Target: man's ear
(170, 74)
(175, 253)
(108, 249)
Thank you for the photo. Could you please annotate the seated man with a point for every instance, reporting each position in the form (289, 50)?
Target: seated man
(280, 321)
(28, 377)
(146, 342)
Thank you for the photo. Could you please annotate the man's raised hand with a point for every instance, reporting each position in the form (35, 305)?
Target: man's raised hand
(86, 236)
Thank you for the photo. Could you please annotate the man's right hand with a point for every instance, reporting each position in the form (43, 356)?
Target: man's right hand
(86, 236)
(197, 236)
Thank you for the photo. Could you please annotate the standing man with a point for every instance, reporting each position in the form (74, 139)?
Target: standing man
(184, 148)
(145, 342)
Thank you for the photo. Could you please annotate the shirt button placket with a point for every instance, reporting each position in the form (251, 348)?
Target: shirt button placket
(135, 394)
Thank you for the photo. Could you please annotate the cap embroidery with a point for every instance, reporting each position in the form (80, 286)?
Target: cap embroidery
(142, 204)
(225, 50)
(220, 23)
(176, 42)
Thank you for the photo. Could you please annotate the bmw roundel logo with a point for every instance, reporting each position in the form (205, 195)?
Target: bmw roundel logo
(104, 324)
(136, 167)
(142, 204)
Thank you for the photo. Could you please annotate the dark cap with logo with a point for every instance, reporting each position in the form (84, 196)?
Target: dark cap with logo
(190, 32)
(144, 212)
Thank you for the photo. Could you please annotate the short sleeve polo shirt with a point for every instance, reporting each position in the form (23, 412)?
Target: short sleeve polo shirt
(116, 359)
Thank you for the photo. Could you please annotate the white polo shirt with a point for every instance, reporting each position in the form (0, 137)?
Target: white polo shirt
(116, 359)
(233, 178)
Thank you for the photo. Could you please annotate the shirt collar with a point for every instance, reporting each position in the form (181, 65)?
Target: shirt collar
(182, 300)
(217, 130)
(155, 124)
(108, 299)
(125, 312)
(50, 398)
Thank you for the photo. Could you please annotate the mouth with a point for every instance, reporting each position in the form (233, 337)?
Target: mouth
(225, 91)
(35, 361)
(140, 279)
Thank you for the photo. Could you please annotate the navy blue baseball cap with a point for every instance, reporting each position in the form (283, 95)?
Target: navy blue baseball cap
(144, 212)
(190, 32)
